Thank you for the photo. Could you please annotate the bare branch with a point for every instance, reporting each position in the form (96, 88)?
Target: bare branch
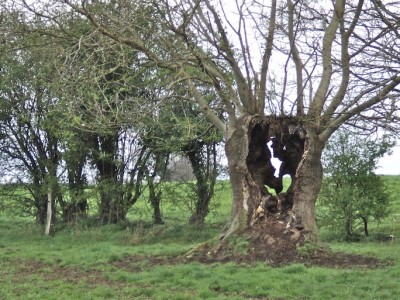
(348, 114)
(329, 37)
(267, 57)
(345, 64)
(297, 60)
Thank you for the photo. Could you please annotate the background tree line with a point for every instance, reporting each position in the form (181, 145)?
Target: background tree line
(74, 109)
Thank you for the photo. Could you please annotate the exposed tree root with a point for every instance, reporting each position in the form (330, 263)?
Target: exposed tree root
(276, 242)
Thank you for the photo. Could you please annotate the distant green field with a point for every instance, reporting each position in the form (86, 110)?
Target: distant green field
(123, 261)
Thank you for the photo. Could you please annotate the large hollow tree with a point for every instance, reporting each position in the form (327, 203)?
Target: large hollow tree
(283, 71)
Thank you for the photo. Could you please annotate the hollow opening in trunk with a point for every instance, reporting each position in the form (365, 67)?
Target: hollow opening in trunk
(281, 141)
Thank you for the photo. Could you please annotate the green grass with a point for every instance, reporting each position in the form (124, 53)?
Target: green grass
(118, 262)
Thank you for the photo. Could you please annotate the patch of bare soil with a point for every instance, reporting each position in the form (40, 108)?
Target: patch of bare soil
(88, 275)
(136, 263)
(74, 275)
(277, 245)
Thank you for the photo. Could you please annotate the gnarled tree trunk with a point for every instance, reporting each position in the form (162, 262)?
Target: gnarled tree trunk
(202, 158)
(250, 169)
(308, 184)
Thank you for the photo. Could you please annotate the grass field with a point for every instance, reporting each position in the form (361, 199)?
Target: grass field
(126, 261)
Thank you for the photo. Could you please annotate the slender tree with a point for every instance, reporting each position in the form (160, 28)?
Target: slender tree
(352, 193)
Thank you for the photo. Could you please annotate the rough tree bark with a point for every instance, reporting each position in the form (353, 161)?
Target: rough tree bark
(308, 184)
(365, 222)
(49, 211)
(158, 167)
(250, 169)
(155, 199)
(112, 208)
(40, 203)
(202, 157)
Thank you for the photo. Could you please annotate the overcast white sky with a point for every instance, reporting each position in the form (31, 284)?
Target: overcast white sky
(390, 164)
